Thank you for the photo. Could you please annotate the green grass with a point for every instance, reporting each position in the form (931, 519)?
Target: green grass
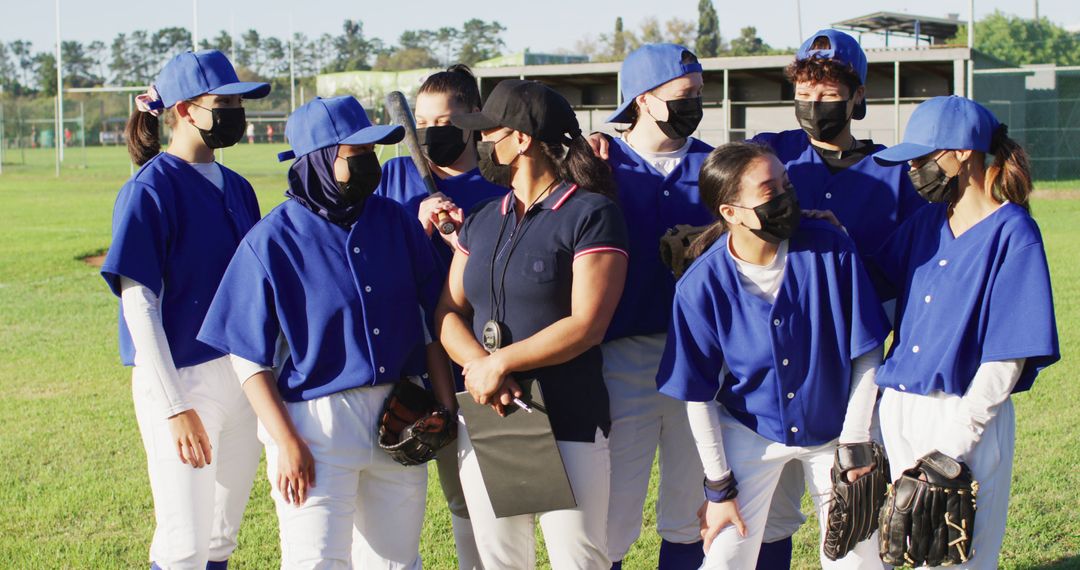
(73, 484)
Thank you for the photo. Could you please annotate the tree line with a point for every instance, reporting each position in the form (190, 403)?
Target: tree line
(134, 58)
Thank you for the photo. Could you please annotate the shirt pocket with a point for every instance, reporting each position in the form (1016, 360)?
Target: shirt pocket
(539, 267)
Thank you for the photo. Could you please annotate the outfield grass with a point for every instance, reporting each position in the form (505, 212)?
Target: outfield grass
(73, 485)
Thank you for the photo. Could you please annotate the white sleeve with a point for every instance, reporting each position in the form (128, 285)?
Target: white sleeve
(991, 386)
(142, 314)
(863, 397)
(705, 425)
(245, 369)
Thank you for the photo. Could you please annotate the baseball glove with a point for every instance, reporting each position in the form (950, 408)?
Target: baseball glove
(673, 246)
(853, 512)
(413, 426)
(929, 518)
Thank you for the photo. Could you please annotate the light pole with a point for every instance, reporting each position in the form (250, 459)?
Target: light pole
(59, 129)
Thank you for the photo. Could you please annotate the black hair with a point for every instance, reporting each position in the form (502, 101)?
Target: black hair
(575, 162)
(720, 182)
(457, 82)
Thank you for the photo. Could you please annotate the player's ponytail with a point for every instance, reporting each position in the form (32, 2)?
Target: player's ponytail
(575, 162)
(1009, 175)
(720, 182)
(143, 138)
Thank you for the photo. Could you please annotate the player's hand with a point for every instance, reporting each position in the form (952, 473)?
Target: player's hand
(189, 435)
(714, 517)
(295, 470)
(484, 377)
(430, 208)
(600, 144)
(826, 215)
(854, 474)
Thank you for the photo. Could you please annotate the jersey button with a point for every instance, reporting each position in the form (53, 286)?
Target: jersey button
(375, 331)
(776, 322)
(943, 262)
(828, 195)
(927, 298)
(367, 288)
(791, 395)
(785, 362)
(794, 429)
(903, 388)
(382, 370)
(915, 349)
(667, 193)
(356, 250)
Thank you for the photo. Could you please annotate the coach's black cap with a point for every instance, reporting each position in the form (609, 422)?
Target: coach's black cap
(527, 106)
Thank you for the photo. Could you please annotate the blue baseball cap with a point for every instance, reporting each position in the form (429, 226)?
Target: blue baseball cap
(943, 123)
(843, 49)
(320, 123)
(192, 74)
(649, 67)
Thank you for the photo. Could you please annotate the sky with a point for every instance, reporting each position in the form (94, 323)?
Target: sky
(539, 25)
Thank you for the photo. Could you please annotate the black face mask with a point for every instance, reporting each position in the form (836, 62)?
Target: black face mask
(443, 145)
(683, 118)
(932, 183)
(493, 172)
(227, 128)
(822, 120)
(779, 217)
(364, 175)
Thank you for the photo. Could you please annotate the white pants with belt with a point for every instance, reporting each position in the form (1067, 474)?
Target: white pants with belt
(198, 511)
(911, 425)
(365, 510)
(757, 463)
(643, 419)
(575, 538)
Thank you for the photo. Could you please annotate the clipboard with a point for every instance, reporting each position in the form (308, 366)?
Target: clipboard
(518, 457)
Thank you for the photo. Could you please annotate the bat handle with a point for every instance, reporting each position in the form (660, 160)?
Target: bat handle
(446, 225)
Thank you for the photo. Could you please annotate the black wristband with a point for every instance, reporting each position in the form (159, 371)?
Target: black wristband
(725, 489)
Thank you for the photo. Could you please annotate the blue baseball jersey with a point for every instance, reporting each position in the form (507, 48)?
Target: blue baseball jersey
(401, 183)
(869, 199)
(347, 301)
(788, 363)
(536, 254)
(982, 297)
(174, 232)
(652, 203)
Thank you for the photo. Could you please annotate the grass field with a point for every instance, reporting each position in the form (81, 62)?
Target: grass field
(73, 485)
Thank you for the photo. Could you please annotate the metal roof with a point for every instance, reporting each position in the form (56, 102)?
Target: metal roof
(898, 23)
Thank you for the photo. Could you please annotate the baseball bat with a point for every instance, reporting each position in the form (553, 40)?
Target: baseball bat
(400, 114)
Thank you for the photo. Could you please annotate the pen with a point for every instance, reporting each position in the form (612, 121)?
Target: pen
(523, 405)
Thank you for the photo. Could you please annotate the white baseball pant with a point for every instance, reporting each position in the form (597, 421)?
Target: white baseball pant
(365, 510)
(575, 538)
(643, 419)
(911, 425)
(198, 511)
(757, 463)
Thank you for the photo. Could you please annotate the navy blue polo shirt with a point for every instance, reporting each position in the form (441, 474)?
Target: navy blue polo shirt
(652, 203)
(568, 224)
(347, 301)
(401, 183)
(174, 232)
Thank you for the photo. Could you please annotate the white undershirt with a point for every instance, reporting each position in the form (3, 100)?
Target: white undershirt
(663, 162)
(990, 387)
(212, 172)
(764, 281)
